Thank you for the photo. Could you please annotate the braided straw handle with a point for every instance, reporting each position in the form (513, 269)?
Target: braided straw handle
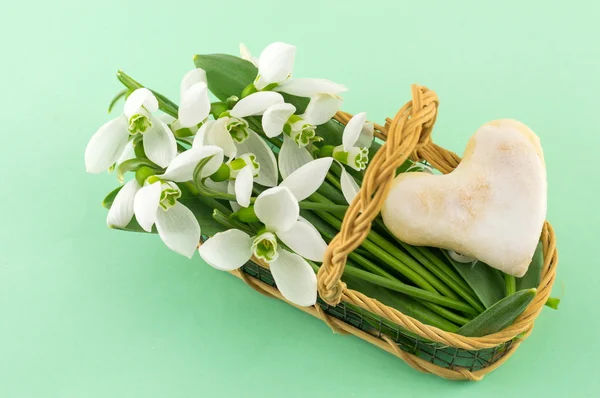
(407, 134)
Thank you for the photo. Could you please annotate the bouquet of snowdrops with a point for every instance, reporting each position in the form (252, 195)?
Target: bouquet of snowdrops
(266, 172)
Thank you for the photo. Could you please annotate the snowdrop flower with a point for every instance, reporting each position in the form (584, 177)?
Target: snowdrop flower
(253, 152)
(242, 172)
(231, 128)
(194, 105)
(157, 201)
(108, 144)
(278, 209)
(349, 154)
(275, 63)
(357, 132)
(275, 66)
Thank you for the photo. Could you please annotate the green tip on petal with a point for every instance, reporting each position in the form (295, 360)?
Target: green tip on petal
(139, 123)
(264, 247)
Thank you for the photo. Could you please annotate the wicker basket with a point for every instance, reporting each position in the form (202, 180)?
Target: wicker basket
(425, 348)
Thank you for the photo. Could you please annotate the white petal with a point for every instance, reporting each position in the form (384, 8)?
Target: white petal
(277, 209)
(275, 117)
(227, 250)
(276, 62)
(245, 54)
(294, 278)
(192, 77)
(292, 157)
(307, 179)
(159, 143)
(349, 186)
(352, 130)
(231, 190)
(365, 140)
(106, 145)
(218, 135)
(121, 210)
(182, 167)
(254, 144)
(307, 87)
(128, 153)
(179, 229)
(304, 239)
(167, 118)
(322, 108)
(145, 205)
(142, 97)
(243, 186)
(256, 104)
(200, 137)
(195, 105)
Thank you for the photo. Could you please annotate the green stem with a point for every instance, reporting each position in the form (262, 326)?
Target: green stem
(165, 104)
(409, 290)
(432, 281)
(334, 181)
(510, 283)
(375, 269)
(385, 257)
(441, 271)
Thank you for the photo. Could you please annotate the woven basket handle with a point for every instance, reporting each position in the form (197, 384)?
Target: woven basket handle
(407, 135)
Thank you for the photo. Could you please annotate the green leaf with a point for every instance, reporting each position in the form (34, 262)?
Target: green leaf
(499, 315)
(227, 75)
(110, 198)
(485, 281)
(134, 164)
(534, 273)
(116, 98)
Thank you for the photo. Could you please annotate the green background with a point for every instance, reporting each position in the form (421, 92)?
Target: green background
(86, 311)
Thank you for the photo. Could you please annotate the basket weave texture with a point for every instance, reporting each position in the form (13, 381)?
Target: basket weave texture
(408, 135)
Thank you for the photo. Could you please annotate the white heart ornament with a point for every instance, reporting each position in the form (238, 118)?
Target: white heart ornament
(492, 207)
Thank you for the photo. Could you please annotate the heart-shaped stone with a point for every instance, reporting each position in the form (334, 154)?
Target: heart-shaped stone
(492, 207)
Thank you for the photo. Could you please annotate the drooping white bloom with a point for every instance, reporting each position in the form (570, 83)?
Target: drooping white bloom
(108, 144)
(357, 132)
(275, 64)
(278, 209)
(156, 204)
(194, 105)
(264, 156)
(242, 172)
(254, 153)
(232, 129)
